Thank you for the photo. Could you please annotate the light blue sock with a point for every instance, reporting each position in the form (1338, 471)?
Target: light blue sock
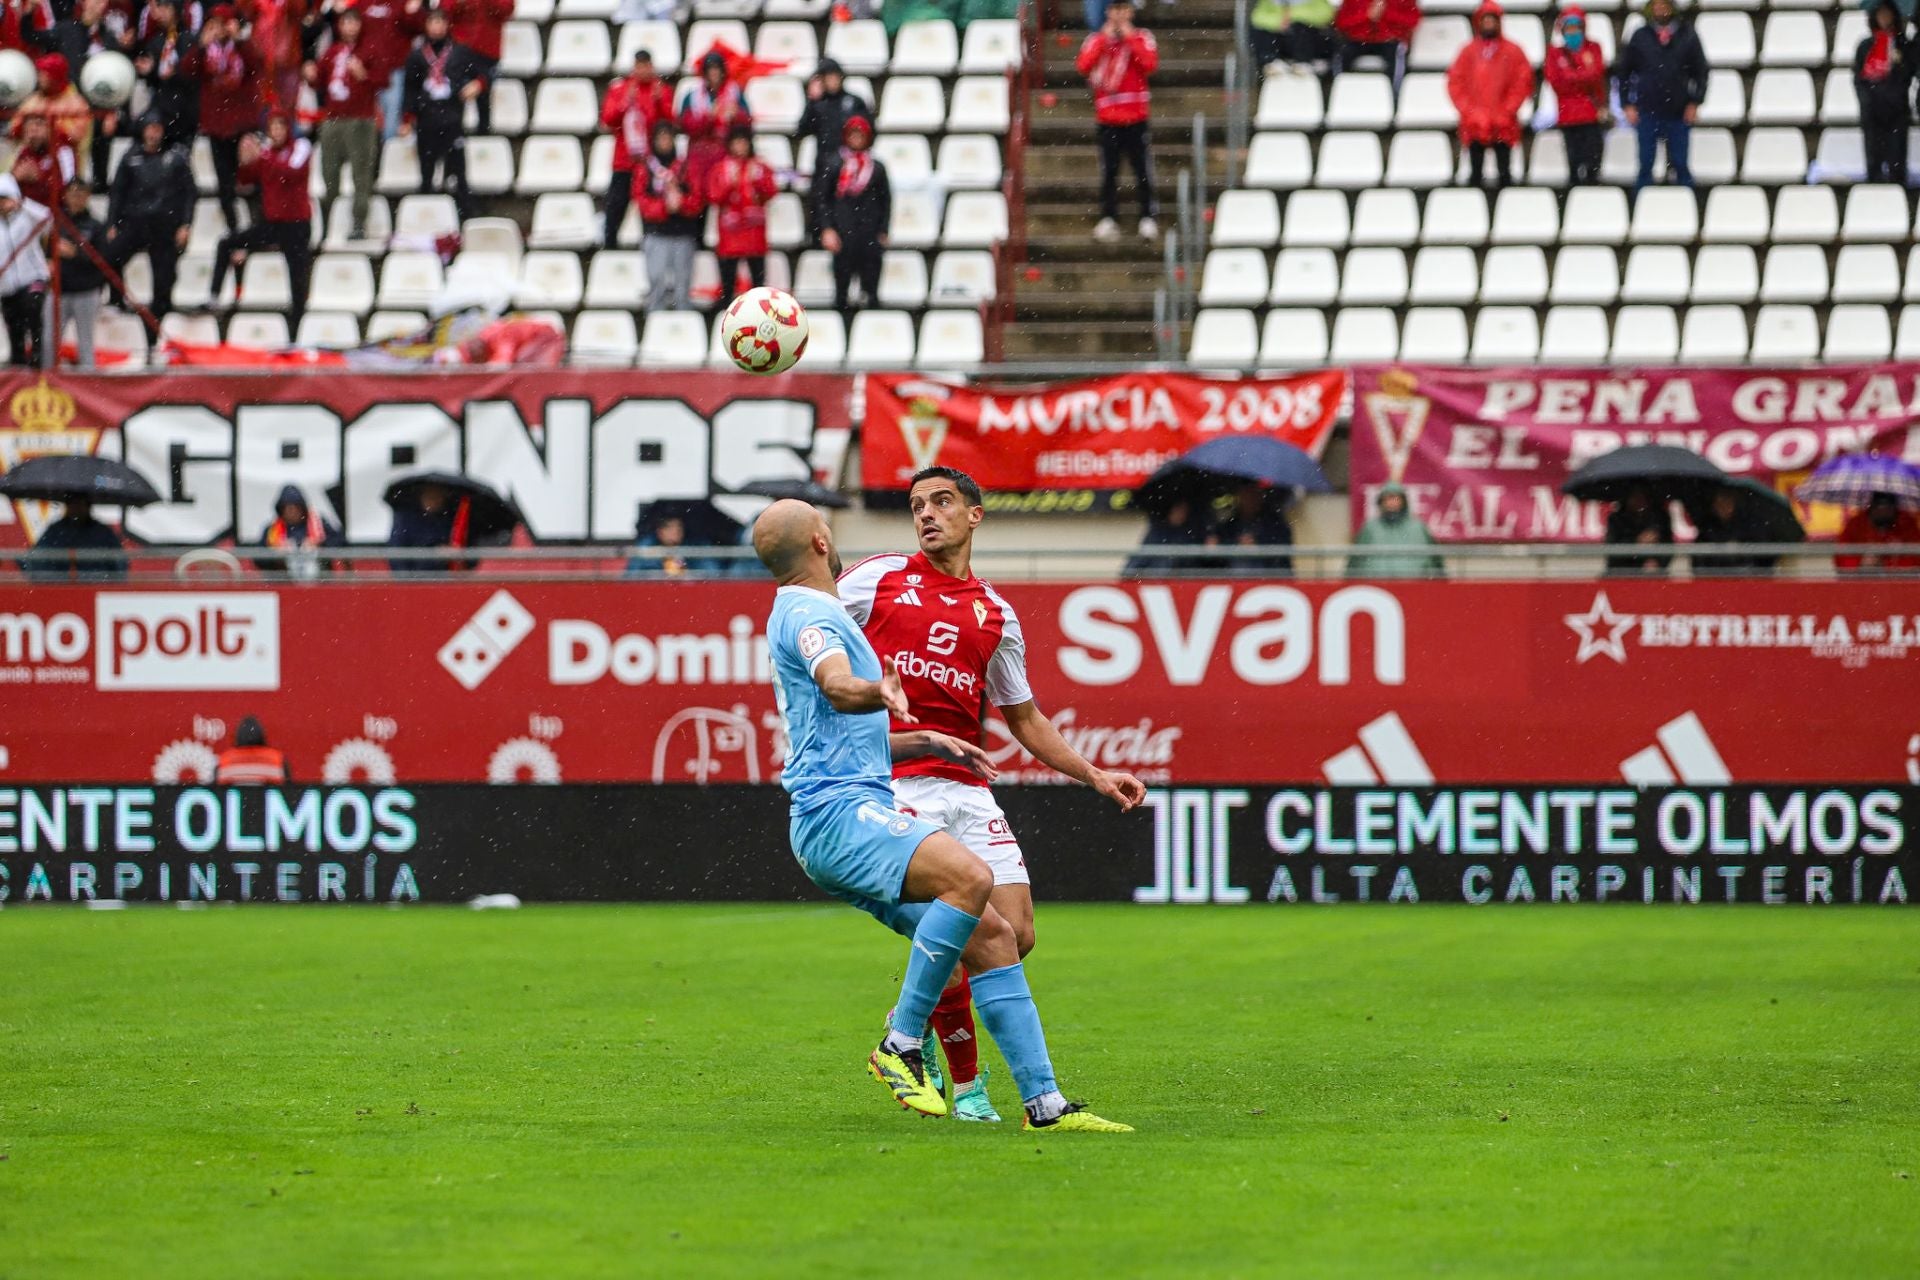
(942, 935)
(1006, 1007)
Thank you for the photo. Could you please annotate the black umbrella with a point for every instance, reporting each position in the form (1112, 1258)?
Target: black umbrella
(1771, 510)
(78, 477)
(490, 515)
(704, 524)
(1205, 471)
(805, 490)
(1669, 472)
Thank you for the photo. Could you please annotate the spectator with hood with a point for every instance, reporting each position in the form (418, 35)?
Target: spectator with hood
(1376, 28)
(440, 520)
(1296, 32)
(1731, 518)
(1118, 61)
(673, 214)
(1489, 82)
(23, 272)
(1662, 74)
(1882, 522)
(1577, 70)
(1180, 526)
(440, 79)
(738, 188)
(1396, 527)
(150, 207)
(1259, 519)
(163, 63)
(69, 116)
(632, 108)
(41, 166)
(853, 204)
(1883, 81)
(1640, 520)
(830, 104)
(709, 110)
(76, 531)
(250, 762)
(280, 168)
(297, 532)
(230, 104)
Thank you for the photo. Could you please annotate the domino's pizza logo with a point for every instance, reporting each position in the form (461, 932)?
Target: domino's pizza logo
(484, 640)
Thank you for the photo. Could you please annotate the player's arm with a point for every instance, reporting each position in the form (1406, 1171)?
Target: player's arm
(850, 695)
(925, 742)
(1043, 742)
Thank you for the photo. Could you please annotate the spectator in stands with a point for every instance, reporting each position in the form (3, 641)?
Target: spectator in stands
(1489, 82)
(632, 109)
(1729, 518)
(673, 215)
(1396, 527)
(67, 113)
(297, 532)
(1378, 29)
(162, 63)
(673, 527)
(739, 188)
(1181, 526)
(1297, 33)
(480, 25)
(229, 100)
(387, 29)
(709, 109)
(830, 104)
(1640, 520)
(94, 25)
(1118, 61)
(1577, 70)
(346, 86)
(1883, 81)
(441, 78)
(250, 762)
(41, 167)
(1882, 522)
(280, 167)
(1662, 74)
(150, 207)
(1259, 519)
(76, 531)
(853, 204)
(23, 277)
(440, 520)
(81, 282)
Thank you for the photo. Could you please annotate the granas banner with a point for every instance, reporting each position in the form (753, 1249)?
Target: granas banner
(1076, 446)
(1769, 846)
(580, 451)
(1642, 682)
(1483, 451)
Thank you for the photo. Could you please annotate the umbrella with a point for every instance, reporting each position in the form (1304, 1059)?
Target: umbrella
(1207, 469)
(491, 516)
(705, 524)
(1772, 511)
(1852, 479)
(805, 490)
(78, 477)
(1670, 472)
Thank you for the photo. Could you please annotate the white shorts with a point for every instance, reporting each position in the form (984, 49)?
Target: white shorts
(970, 815)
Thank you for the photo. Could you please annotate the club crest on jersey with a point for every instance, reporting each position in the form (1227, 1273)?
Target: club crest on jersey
(980, 612)
(913, 579)
(949, 601)
(909, 596)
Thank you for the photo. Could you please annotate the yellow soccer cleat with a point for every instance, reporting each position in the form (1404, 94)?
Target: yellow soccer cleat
(905, 1074)
(1076, 1119)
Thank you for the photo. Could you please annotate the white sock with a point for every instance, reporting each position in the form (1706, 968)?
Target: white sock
(961, 1086)
(1047, 1106)
(898, 1041)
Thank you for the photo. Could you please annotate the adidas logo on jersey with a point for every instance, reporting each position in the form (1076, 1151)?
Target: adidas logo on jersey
(909, 596)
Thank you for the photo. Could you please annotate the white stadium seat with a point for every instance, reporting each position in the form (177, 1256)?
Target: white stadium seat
(325, 330)
(1575, 335)
(564, 104)
(1316, 219)
(659, 38)
(1866, 273)
(991, 46)
(1782, 95)
(969, 162)
(1349, 160)
(1585, 274)
(880, 340)
(1666, 215)
(410, 280)
(1785, 333)
(564, 220)
(1374, 276)
(1224, 338)
(342, 282)
(1514, 273)
(604, 338)
(793, 47)
(1276, 159)
(1645, 335)
(930, 47)
(1877, 213)
(1360, 100)
(1296, 338)
(1386, 216)
(1455, 215)
(1794, 40)
(1595, 215)
(1445, 274)
(1714, 335)
(1434, 334)
(580, 47)
(911, 104)
(1505, 335)
(975, 220)
(962, 278)
(699, 40)
(1246, 218)
(1794, 273)
(860, 46)
(1737, 215)
(903, 280)
(1421, 158)
(616, 279)
(1856, 332)
(1290, 102)
(1656, 273)
(1233, 278)
(1526, 215)
(952, 340)
(1728, 273)
(257, 332)
(1806, 215)
(1305, 278)
(1364, 335)
(673, 339)
(550, 163)
(980, 105)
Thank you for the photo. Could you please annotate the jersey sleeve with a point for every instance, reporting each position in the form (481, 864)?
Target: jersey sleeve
(1007, 669)
(811, 635)
(859, 584)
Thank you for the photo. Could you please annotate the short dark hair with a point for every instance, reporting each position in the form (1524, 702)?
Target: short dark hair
(250, 733)
(969, 487)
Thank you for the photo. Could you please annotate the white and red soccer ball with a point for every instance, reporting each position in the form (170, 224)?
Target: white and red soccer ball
(764, 331)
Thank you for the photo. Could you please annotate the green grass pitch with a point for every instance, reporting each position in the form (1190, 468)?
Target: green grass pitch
(651, 1091)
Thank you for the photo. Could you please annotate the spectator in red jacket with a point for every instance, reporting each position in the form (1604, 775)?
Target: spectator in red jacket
(387, 29)
(1489, 82)
(632, 108)
(1376, 28)
(480, 26)
(1117, 61)
(1577, 70)
(346, 87)
(22, 22)
(1881, 522)
(229, 99)
(280, 167)
(739, 188)
(41, 166)
(673, 213)
(709, 109)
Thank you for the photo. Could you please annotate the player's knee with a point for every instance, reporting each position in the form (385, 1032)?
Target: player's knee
(992, 945)
(974, 880)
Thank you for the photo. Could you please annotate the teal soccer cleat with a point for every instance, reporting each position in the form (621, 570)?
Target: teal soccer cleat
(972, 1103)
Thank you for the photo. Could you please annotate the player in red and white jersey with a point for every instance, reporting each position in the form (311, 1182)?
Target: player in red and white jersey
(958, 647)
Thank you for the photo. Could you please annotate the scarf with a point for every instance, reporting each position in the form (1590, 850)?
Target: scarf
(1112, 68)
(1879, 61)
(169, 60)
(856, 171)
(634, 124)
(226, 66)
(277, 531)
(439, 88)
(339, 85)
(659, 174)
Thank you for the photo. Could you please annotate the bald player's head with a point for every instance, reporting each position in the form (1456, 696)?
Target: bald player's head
(791, 538)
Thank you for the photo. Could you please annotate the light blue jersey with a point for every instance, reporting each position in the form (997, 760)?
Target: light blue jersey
(846, 833)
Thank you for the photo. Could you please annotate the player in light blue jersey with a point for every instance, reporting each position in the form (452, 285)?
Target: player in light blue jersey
(914, 878)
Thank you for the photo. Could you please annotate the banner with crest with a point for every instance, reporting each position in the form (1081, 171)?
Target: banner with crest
(44, 420)
(1077, 446)
(1483, 452)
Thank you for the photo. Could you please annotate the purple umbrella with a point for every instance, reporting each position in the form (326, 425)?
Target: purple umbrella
(1852, 479)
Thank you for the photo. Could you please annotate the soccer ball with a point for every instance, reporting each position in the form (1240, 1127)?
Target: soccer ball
(764, 331)
(106, 80)
(17, 77)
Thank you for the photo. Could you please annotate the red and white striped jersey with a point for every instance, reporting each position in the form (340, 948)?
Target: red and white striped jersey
(956, 642)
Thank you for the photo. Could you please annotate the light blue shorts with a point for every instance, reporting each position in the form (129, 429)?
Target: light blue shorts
(857, 846)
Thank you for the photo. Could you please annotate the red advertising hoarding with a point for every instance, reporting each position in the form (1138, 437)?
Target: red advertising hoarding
(1076, 446)
(1221, 682)
(1483, 452)
(580, 451)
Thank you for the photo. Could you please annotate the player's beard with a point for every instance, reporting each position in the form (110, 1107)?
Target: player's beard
(833, 561)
